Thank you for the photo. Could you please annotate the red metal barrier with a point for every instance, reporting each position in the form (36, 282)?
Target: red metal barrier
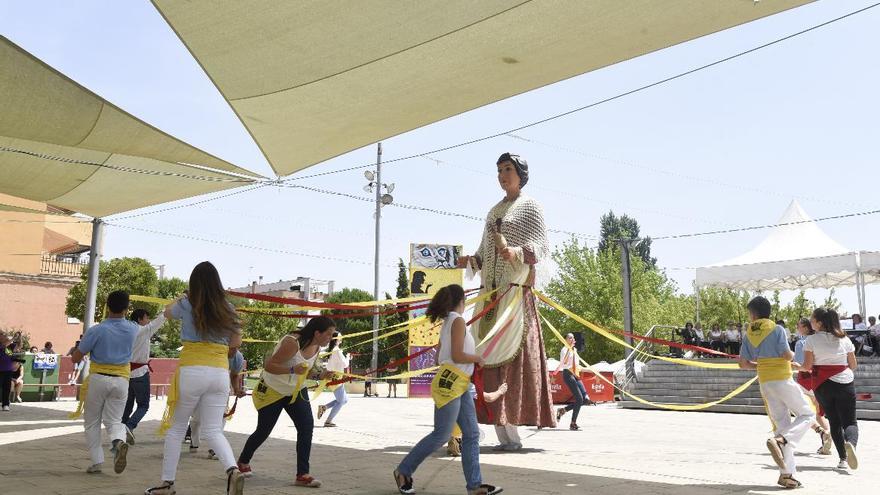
(597, 389)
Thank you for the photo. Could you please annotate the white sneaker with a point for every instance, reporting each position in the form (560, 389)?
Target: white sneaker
(5, 408)
(842, 464)
(851, 457)
(129, 436)
(212, 455)
(94, 469)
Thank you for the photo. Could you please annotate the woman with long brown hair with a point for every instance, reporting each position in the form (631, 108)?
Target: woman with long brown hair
(209, 326)
(830, 355)
(453, 396)
(804, 379)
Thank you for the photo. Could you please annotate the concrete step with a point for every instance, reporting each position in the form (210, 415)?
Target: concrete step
(679, 388)
(861, 414)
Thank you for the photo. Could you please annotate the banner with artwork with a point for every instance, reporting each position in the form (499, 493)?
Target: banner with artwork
(431, 267)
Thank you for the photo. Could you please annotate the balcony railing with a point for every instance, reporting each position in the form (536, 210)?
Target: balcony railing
(65, 266)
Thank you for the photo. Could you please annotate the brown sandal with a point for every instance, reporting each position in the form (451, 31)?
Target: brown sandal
(788, 482)
(775, 448)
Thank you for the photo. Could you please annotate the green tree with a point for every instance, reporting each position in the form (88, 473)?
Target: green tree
(402, 280)
(588, 282)
(170, 288)
(134, 275)
(721, 305)
(262, 326)
(166, 342)
(361, 354)
(612, 228)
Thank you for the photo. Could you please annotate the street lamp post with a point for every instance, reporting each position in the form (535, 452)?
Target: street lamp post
(382, 199)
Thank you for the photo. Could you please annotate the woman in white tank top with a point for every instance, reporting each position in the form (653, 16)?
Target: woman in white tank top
(282, 388)
(457, 351)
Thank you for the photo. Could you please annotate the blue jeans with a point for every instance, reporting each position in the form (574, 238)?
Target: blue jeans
(139, 391)
(462, 411)
(336, 405)
(578, 393)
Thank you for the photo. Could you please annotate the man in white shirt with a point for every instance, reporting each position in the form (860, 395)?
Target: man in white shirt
(139, 382)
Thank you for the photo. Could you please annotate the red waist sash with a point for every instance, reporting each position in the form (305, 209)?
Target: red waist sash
(811, 380)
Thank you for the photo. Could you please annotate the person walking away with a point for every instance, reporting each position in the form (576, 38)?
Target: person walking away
(392, 382)
(568, 364)
(105, 389)
(209, 327)
(337, 363)
(831, 358)
(453, 394)
(766, 349)
(804, 379)
(139, 382)
(282, 388)
(236, 365)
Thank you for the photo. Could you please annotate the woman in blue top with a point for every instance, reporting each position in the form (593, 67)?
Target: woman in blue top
(209, 326)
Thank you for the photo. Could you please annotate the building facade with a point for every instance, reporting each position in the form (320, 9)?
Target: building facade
(42, 255)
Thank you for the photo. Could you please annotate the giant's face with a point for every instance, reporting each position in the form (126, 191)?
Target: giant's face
(507, 177)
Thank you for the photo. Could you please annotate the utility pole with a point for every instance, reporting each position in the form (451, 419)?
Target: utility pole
(382, 199)
(375, 360)
(626, 275)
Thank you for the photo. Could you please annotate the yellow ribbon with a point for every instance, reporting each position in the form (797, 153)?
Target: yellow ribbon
(406, 374)
(448, 384)
(672, 407)
(608, 335)
(193, 354)
(120, 370)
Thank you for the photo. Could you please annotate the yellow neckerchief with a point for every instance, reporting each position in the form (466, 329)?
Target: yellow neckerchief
(759, 330)
(448, 384)
(769, 369)
(120, 370)
(193, 354)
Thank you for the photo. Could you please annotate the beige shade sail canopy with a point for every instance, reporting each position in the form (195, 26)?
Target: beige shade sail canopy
(311, 80)
(64, 145)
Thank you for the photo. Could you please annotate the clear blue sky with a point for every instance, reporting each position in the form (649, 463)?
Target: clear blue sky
(725, 147)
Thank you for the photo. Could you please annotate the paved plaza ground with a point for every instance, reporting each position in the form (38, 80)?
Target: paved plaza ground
(617, 452)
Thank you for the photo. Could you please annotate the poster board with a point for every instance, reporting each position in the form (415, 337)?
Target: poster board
(432, 266)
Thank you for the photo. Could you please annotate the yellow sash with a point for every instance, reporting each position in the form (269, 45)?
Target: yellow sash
(448, 384)
(759, 330)
(193, 354)
(120, 370)
(773, 369)
(264, 395)
(322, 385)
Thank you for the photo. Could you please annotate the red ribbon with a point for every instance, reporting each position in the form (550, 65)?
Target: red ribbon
(316, 304)
(232, 409)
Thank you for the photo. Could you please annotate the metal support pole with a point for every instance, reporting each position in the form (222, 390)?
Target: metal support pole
(94, 265)
(697, 297)
(626, 275)
(92, 286)
(375, 361)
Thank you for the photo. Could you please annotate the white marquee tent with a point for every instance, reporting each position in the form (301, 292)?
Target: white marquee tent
(797, 254)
